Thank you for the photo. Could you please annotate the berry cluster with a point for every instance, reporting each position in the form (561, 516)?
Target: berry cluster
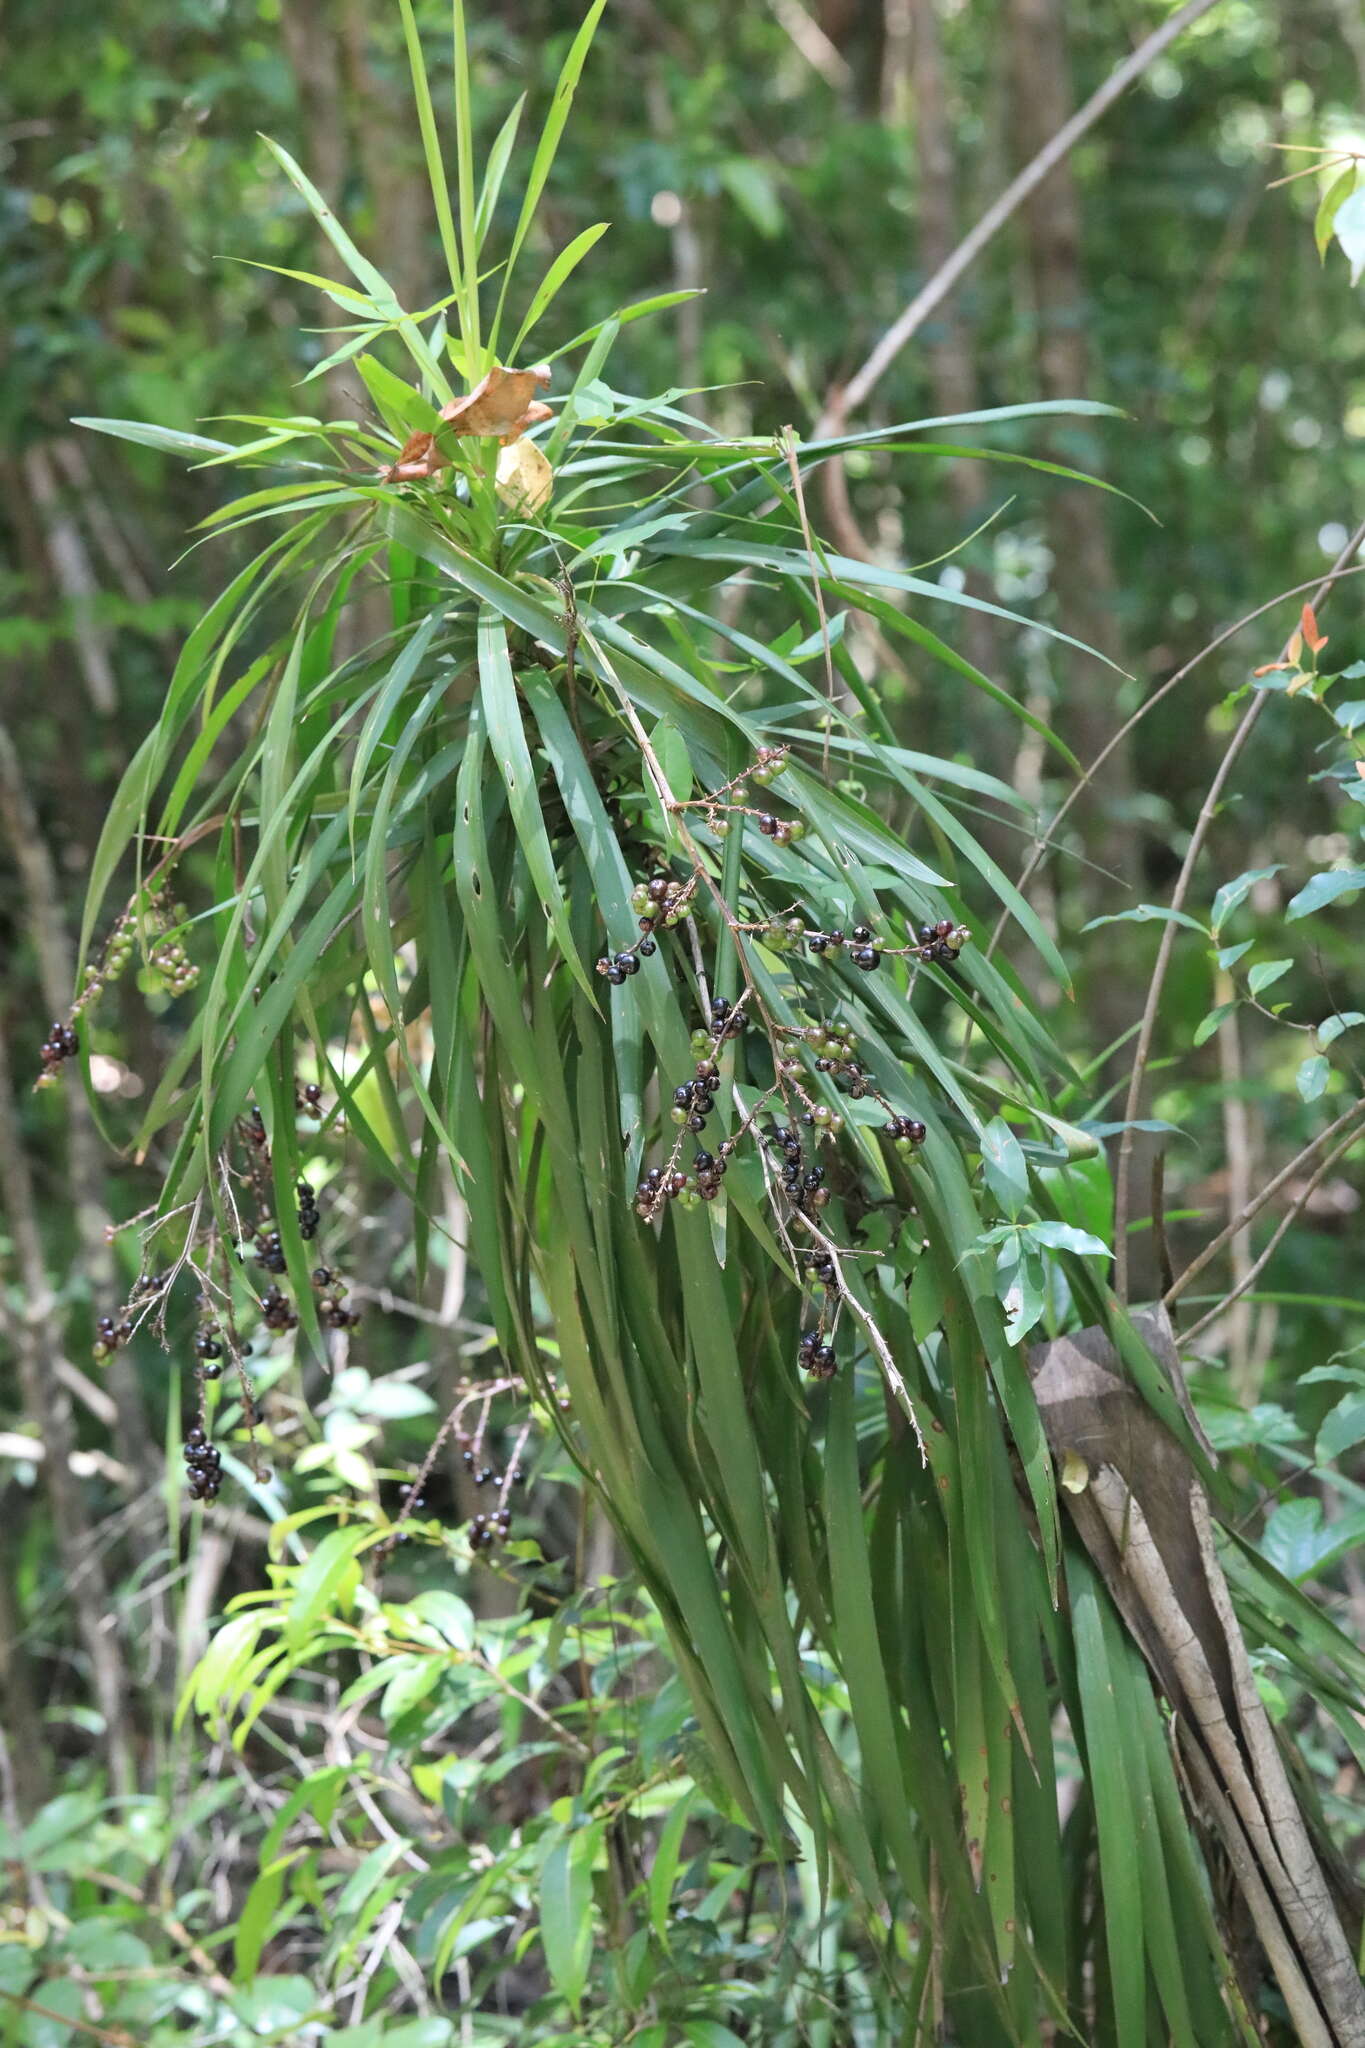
(154, 911)
(332, 1310)
(309, 1098)
(163, 915)
(861, 949)
(118, 951)
(277, 1310)
(618, 966)
(61, 1044)
(208, 1349)
(178, 972)
(816, 1357)
(768, 765)
(268, 1247)
(727, 1019)
(110, 1334)
(204, 1463)
(686, 1189)
(821, 1269)
(942, 942)
(835, 1048)
(781, 934)
(309, 1218)
(337, 1316)
(731, 799)
(486, 1530)
(489, 1529)
(802, 1183)
(694, 1100)
(905, 1132)
(659, 901)
(782, 831)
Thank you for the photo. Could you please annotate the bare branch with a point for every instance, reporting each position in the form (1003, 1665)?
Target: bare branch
(932, 294)
(1203, 824)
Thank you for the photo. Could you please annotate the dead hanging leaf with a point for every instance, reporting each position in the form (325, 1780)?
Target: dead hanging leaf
(524, 479)
(500, 407)
(417, 458)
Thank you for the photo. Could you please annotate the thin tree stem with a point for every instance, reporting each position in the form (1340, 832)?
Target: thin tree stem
(1208, 811)
(1258, 1201)
(932, 294)
(1295, 1210)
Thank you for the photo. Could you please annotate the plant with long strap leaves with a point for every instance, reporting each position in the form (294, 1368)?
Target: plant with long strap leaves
(773, 1196)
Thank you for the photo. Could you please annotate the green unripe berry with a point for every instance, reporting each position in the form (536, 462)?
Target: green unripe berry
(795, 829)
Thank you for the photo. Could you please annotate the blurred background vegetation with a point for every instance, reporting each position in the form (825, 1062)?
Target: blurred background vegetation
(809, 165)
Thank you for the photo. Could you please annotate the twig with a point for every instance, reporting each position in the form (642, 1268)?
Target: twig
(932, 294)
(1046, 843)
(114, 2040)
(1163, 1246)
(810, 39)
(178, 1932)
(1259, 1200)
(1203, 823)
(1295, 1210)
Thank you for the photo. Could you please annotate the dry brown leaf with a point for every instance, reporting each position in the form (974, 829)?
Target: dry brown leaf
(415, 460)
(500, 405)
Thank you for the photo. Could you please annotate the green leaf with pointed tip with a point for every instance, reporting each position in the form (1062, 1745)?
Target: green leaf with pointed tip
(1234, 893)
(1266, 973)
(1002, 1158)
(548, 145)
(565, 263)
(1324, 889)
(166, 440)
(1147, 913)
(1342, 1020)
(1206, 1027)
(1330, 205)
(360, 267)
(566, 1915)
(506, 736)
